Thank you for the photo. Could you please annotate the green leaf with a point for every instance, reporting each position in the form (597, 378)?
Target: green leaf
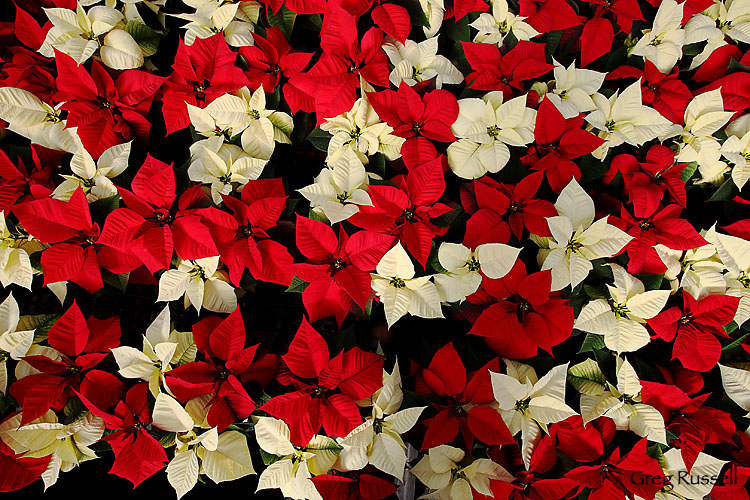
(458, 31)
(651, 281)
(692, 49)
(688, 171)
(587, 378)
(106, 205)
(167, 440)
(118, 281)
(320, 139)
(416, 14)
(284, 19)
(268, 459)
(40, 323)
(592, 342)
(725, 192)
(735, 346)
(297, 286)
(146, 38)
(551, 44)
(596, 292)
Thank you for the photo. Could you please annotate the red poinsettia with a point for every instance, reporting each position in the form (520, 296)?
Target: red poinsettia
(463, 402)
(520, 315)
(647, 181)
(106, 111)
(557, 142)
(361, 486)
(138, 454)
(82, 344)
(695, 327)
(242, 238)
(150, 228)
(663, 226)
(335, 285)
(68, 227)
(492, 203)
(227, 363)
(17, 181)
(618, 477)
(599, 31)
(325, 389)
(548, 15)
(19, 471)
(201, 72)
(270, 59)
(506, 72)
(694, 424)
(405, 212)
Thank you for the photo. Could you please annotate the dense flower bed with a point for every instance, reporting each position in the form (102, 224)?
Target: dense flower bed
(367, 248)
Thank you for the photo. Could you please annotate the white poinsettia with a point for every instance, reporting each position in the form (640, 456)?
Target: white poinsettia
(245, 113)
(485, 128)
(527, 404)
(736, 383)
(67, 445)
(235, 20)
(624, 119)
(737, 151)
(662, 44)
(339, 188)
(36, 120)
(720, 20)
(162, 348)
(698, 271)
(621, 317)
(378, 441)
(434, 12)
(494, 27)
(696, 483)
(400, 292)
(93, 177)
(204, 122)
(577, 239)
(704, 116)
(77, 34)
(362, 131)
(222, 166)
(573, 89)
(15, 266)
(441, 470)
(296, 464)
(416, 62)
(201, 285)
(735, 257)
(494, 260)
(13, 344)
(622, 403)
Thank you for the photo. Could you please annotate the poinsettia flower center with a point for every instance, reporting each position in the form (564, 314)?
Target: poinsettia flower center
(417, 127)
(53, 117)
(645, 225)
(338, 264)
(254, 114)
(197, 272)
(397, 282)
(162, 217)
(104, 103)
(408, 214)
(473, 264)
(684, 320)
(627, 399)
(222, 374)
(4, 355)
(318, 392)
(523, 405)
(524, 306)
(493, 131)
(246, 231)
(513, 208)
(619, 309)
(573, 245)
(342, 197)
(610, 124)
(744, 279)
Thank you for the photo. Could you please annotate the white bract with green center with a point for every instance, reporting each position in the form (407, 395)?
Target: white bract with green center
(485, 128)
(362, 131)
(13, 344)
(494, 260)
(734, 253)
(577, 239)
(42, 124)
(416, 62)
(662, 44)
(15, 266)
(222, 165)
(697, 483)
(573, 89)
(722, 19)
(234, 19)
(200, 284)
(67, 445)
(624, 119)
(529, 405)
(493, 28)
(378, 441)
(245, 113)
(621, 403)
(737, 151)
(400, 292)
(620, 318)
(704, 116)
(162, 348)
(297, 464)
(93, 177)
(339, 188)
(76, 33)
(441, 470)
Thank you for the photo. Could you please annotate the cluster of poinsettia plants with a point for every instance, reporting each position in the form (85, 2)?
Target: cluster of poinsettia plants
(368, 249)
